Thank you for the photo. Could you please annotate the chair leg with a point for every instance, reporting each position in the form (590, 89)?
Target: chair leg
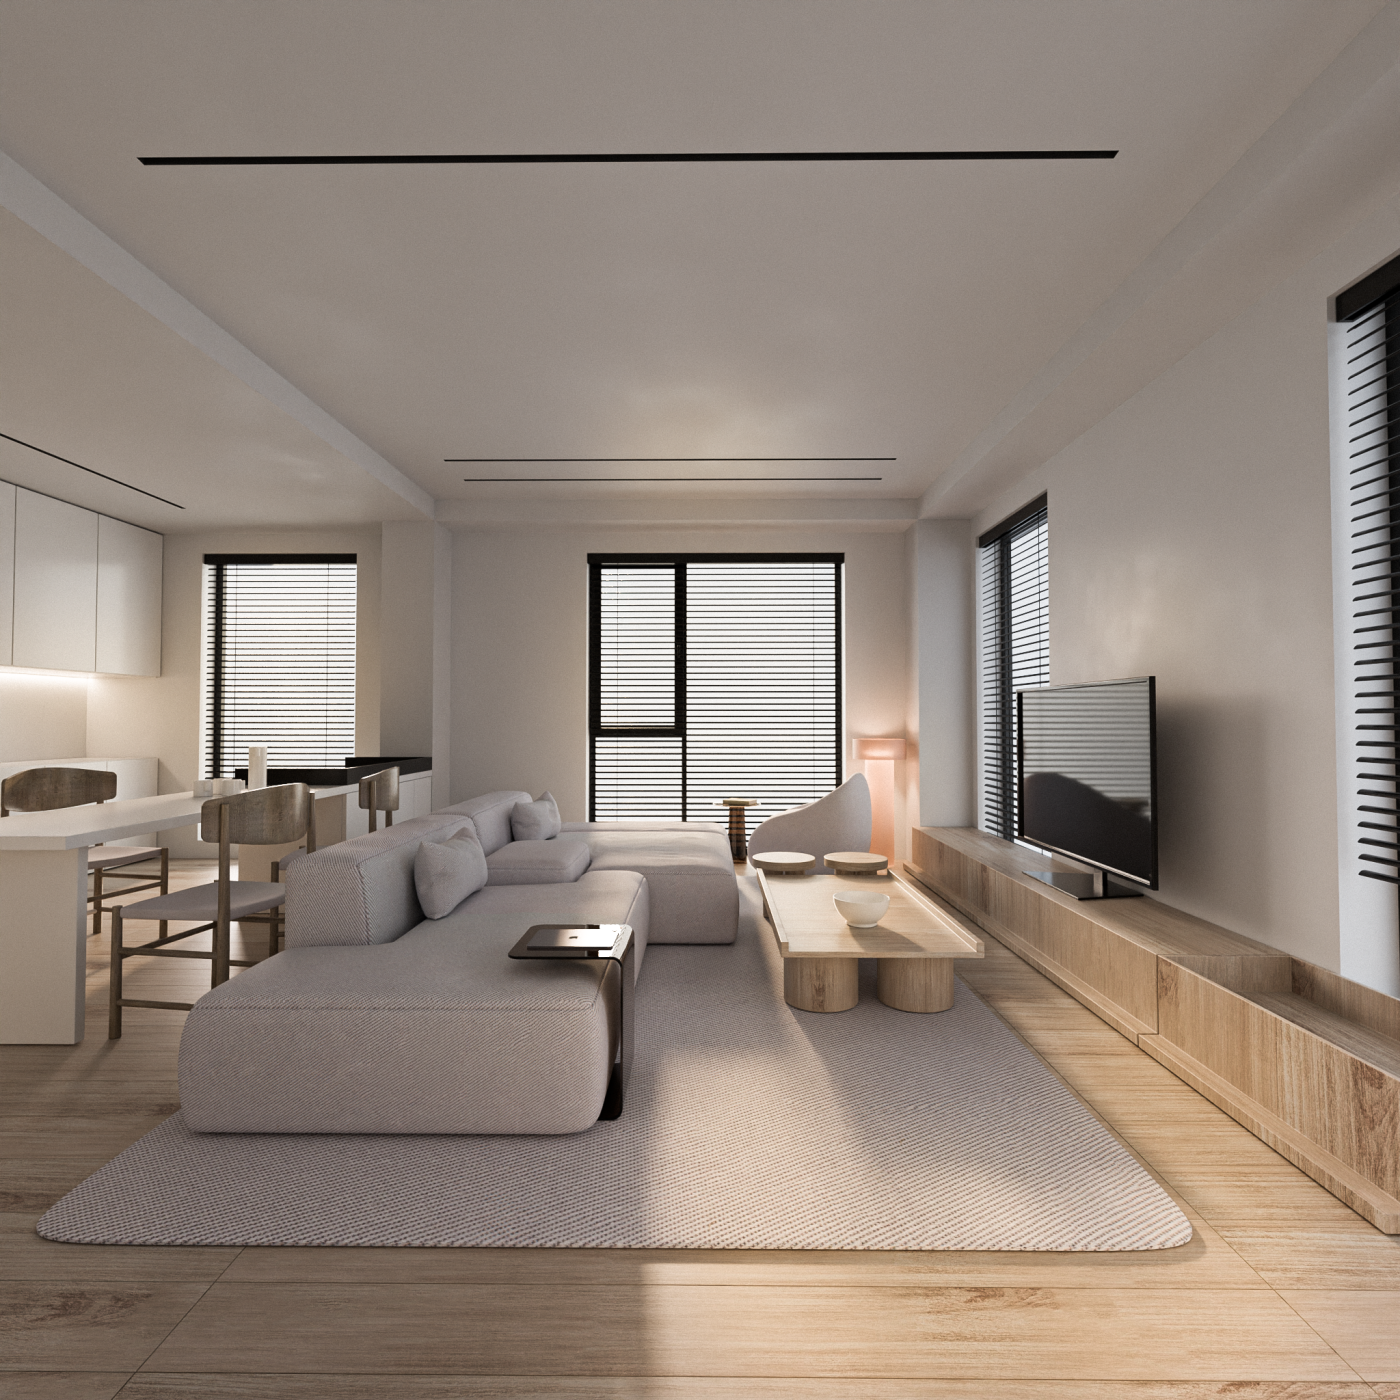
(97, 901)
(221, 952)
(114, 979)
(164, 883)
(274, 931)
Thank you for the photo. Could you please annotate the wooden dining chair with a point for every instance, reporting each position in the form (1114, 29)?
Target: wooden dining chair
(48, 789)
(265, 817)
(379, 792)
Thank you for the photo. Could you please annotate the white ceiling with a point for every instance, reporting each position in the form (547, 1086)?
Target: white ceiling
(593, 311)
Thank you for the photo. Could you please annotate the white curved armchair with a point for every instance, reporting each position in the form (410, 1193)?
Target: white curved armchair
(840, 821)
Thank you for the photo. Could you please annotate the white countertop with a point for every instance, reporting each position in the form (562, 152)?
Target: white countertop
(70, 827)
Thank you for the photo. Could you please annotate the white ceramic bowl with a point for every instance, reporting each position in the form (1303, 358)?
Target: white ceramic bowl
(859, 909)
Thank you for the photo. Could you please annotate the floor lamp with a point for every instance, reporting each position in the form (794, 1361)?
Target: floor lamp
(879, 756)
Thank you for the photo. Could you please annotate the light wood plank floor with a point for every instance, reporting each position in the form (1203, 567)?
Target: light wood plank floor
(1284, 1292)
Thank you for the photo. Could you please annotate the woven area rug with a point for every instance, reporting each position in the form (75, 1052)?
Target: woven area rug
(748, 1125)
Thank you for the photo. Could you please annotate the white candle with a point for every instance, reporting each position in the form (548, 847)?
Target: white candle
(257, 766)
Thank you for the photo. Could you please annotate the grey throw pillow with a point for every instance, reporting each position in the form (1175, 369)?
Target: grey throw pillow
(446, 872)
(537, 820)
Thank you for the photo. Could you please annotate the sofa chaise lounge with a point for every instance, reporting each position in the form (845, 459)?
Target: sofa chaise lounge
(376, 1019)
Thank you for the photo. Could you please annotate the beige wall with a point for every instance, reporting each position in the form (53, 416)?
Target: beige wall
(1190, 538)
(942, 752)
(520, 646)
(43, 716)
(159, 716)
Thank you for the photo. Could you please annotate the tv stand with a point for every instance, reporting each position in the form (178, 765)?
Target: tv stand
(1084, 884)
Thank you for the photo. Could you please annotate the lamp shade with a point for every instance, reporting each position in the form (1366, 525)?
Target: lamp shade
(879, 748)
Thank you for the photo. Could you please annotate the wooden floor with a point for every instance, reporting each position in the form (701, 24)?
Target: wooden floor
(1283, 1291)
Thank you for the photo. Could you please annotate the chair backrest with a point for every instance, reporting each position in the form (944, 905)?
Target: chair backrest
(379, 792)
(269, 816)
(46, 789)
(840, 821)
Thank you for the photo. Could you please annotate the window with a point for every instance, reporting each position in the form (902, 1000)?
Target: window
(1013, 567)
(279, 660)
(713, 675)
(1370, 312)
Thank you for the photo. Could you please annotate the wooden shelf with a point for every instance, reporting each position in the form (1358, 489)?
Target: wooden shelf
(1303, 1058)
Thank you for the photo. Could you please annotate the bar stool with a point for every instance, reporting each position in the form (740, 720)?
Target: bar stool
(48, 789)
(379, 792)
(265, 817)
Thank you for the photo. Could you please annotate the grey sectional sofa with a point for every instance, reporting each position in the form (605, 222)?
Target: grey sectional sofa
(377, 1020)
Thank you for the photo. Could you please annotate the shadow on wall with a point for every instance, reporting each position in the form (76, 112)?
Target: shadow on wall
(1213, 820)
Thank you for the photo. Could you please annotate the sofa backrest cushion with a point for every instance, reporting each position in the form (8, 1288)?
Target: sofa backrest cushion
(361, 891)
(446, 872)
(490, 815)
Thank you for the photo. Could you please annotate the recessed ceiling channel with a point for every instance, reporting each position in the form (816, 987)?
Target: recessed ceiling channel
(628, 158)
(116, 481)
(502, 461)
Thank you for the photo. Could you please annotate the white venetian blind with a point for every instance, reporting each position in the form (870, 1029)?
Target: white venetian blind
(1372, 313)
(715, 677)
(279, 660)
(1014, 595)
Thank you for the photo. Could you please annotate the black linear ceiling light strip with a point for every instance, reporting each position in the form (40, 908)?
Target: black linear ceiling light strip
(605, 480)
(572, 461)
(19, 442)
(629, 158)
(540, 461)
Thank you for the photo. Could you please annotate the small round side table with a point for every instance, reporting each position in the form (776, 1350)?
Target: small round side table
(857, 862)
(738, 834)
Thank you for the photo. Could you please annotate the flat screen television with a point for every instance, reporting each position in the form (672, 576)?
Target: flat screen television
(1086, 779)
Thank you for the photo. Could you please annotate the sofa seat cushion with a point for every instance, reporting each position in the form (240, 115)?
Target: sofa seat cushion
(438, 1032)
(538, 862)
(689, 870)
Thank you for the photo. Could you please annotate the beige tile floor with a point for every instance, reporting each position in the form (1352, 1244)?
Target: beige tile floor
(1283, 1292)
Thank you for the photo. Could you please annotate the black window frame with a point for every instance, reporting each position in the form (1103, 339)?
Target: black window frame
(677, 562)
(217, 670)
(999, 767)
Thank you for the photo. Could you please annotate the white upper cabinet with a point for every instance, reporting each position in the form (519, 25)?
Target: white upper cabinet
(128, 598)
(55, 624)
(7, 572)
(78, 591)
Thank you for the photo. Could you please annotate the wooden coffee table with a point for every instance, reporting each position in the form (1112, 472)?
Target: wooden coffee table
(915, 943)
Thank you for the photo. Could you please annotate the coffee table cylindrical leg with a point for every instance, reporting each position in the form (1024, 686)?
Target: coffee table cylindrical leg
(915, 984)
(821, 984)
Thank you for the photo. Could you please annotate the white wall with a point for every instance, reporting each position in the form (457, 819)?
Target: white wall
(520, 646)
(415, 668)
(1190, 538)
(160, 716)
(942, 698)
(42, 716)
